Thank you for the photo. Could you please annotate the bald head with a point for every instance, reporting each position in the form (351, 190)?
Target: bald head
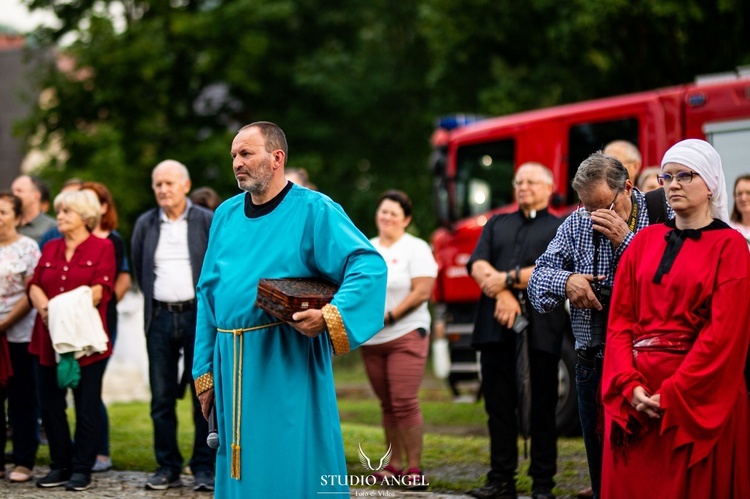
(545, 173)
(174, 166)
(627, 154)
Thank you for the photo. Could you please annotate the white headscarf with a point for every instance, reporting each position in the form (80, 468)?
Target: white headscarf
(702, 158)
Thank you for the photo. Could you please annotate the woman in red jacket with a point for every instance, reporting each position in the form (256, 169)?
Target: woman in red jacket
(77, 259)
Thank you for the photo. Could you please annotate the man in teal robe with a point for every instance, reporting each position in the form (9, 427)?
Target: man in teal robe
(278, 421)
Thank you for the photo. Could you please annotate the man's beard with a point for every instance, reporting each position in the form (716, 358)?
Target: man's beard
(257, 183)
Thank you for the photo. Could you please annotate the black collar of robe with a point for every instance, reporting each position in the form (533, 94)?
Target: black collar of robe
(258, 210)
(675, 239)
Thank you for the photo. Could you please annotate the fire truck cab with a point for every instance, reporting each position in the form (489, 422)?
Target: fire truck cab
(473, 163)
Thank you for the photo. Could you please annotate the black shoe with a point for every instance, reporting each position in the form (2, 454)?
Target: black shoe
(204, 481)
(542, 493)
(54, 478)
(79, 482)
(495, 490)
(163, 480)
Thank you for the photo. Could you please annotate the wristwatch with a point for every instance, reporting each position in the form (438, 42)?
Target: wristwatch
(509, 280)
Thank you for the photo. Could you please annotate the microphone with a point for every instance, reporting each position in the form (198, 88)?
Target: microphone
(212, 440)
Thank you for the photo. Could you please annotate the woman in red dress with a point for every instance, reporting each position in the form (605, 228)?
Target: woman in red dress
(77, 259)
(675, 401)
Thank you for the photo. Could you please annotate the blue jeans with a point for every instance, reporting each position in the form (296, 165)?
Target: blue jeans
(588, 382)
(171, 335)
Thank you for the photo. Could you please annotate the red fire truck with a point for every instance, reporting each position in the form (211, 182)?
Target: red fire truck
(473, 161)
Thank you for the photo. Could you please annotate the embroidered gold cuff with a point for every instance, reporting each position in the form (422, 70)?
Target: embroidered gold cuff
(336, 329)
(203, 383)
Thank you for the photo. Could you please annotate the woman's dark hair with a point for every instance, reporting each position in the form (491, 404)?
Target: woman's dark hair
(736, 216)
(109, 219)
(206, 197)
(398, 196)
(14, 200)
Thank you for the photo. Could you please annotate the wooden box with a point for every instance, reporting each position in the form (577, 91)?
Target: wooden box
(283, 297)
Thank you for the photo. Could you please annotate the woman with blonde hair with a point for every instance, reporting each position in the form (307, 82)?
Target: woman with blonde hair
(79, 261)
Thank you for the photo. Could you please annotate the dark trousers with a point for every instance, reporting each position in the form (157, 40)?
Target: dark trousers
(102, 444)
(588, 380)
(22, 402)
(501, 399)
(102, 447)
(76, 455)
(172, 335)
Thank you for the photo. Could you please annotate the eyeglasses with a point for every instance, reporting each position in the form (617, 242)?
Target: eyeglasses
(584, 213)
(682, 178)
(530, 183)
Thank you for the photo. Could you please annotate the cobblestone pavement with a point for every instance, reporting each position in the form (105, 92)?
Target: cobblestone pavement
(130, 484)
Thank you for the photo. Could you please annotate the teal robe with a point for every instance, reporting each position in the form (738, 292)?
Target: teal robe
(290, 433)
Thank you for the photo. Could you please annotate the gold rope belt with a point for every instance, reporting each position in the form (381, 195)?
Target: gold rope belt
(237, 351)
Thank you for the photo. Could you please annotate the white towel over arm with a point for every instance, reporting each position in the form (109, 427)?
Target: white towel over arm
(75, 324)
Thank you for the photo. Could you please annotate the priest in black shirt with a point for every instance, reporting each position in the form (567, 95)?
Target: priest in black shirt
(501, 264)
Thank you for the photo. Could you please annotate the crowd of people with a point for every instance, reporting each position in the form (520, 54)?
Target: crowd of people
(654, 269)
(53, 275)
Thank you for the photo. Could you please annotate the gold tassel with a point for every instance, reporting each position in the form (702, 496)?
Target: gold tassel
(237, 356)
(235, 472)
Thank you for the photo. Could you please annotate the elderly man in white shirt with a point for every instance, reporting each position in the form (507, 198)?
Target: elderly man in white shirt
(168, 245)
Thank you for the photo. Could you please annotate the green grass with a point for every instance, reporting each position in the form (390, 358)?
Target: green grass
(456, 448)
(131, 435)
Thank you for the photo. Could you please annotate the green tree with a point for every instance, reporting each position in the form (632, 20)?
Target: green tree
(178, 78)
(495, 57)
(355, 84)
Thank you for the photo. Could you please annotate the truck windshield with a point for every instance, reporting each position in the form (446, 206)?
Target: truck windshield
(484, 174)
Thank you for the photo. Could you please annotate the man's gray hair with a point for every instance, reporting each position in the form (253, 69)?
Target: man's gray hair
(549, 177)
(600, 168)
(174, 164)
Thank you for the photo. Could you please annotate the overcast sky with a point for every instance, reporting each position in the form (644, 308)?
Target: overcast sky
(15, 15)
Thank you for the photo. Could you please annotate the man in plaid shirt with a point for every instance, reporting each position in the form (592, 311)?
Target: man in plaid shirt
(579, 265)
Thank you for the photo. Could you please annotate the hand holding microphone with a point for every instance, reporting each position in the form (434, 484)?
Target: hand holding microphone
(212, 440)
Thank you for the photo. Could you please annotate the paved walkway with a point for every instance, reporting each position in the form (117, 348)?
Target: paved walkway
(130, 484)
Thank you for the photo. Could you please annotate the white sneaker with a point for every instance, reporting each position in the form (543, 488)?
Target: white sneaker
(102, 464)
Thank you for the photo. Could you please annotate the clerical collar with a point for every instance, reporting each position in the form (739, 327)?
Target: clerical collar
(533, 213)
(675, 239)
(258, 210)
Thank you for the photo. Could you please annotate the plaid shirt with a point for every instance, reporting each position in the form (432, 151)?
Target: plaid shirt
(572, 252)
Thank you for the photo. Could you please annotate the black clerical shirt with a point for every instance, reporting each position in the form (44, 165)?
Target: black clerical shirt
(508, 241)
